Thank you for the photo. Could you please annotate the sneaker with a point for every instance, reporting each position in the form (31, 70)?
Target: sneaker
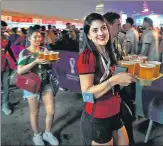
(37, 139)
(48, 137)
(7, 111)
(61, 89)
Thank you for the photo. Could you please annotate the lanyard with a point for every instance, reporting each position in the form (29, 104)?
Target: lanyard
(106, 67)
(107, 71)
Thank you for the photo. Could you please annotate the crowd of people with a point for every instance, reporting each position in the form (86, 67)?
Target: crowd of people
(101, 43)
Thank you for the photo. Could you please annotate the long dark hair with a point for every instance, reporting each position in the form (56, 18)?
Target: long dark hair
(89, 44)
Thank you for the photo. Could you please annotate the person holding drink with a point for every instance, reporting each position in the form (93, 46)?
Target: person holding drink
(30, 62)
(100, 121)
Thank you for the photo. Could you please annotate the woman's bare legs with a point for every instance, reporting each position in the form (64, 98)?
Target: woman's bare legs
(120, 137)
(34, 110)
(49, 102)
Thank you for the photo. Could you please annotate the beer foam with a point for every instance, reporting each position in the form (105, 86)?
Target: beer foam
(127, 62)
(147, 65)
(137, 61)
(154, 62)
(55, 52)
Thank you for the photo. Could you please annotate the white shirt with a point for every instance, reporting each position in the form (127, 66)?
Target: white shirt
(132, 36)
(151, 38)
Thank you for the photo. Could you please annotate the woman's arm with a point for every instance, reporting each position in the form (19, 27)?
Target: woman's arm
(8, 48)
(26, 68)
(86, 82)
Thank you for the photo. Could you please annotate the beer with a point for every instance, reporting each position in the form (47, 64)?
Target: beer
(41, 55)
(47, 56)
(51, 56)
(157, 68)
(130, 65)
(147, 71)
(54, 55)
(137, 67)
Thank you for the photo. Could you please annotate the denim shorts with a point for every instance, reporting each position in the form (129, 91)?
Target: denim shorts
(45, 88)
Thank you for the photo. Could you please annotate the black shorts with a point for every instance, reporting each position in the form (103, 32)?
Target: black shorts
(98, 130)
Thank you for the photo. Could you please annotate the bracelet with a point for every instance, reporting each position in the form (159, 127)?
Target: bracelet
(108, 82)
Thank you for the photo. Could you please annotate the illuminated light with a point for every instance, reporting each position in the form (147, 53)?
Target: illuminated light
(100, 6)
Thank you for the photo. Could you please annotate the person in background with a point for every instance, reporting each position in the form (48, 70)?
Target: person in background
(123, 29)
(65, 43)
(54, 29)
(150, 41)
(56, 34)
(22, 38)
(29, 61)
(121, 43)
(132, 37)
(100, 121)
(126, 93)
(73, 32)
(59, 33)
(114, 25)
(14, 36)
(81, 41)
(68, 25)
(37, 27)
(5, 73)
(43, 33)
(50, 34)
(161, 45)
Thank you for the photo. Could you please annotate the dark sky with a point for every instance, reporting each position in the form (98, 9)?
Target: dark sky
(76, 8)
(128, 6)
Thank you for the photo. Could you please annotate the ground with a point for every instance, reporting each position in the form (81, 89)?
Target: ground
(15, 129)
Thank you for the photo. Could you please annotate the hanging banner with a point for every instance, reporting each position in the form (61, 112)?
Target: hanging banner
(79, 24)
(21, 19)
(73, 23)
(37, 21)
(59, 22)
(3, 17)
(46, 21)
(6, 18)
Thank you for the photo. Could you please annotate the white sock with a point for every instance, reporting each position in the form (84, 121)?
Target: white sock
(47, 132)
(36, 134)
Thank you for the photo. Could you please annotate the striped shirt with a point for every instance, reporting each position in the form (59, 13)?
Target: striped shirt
(26, 57)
